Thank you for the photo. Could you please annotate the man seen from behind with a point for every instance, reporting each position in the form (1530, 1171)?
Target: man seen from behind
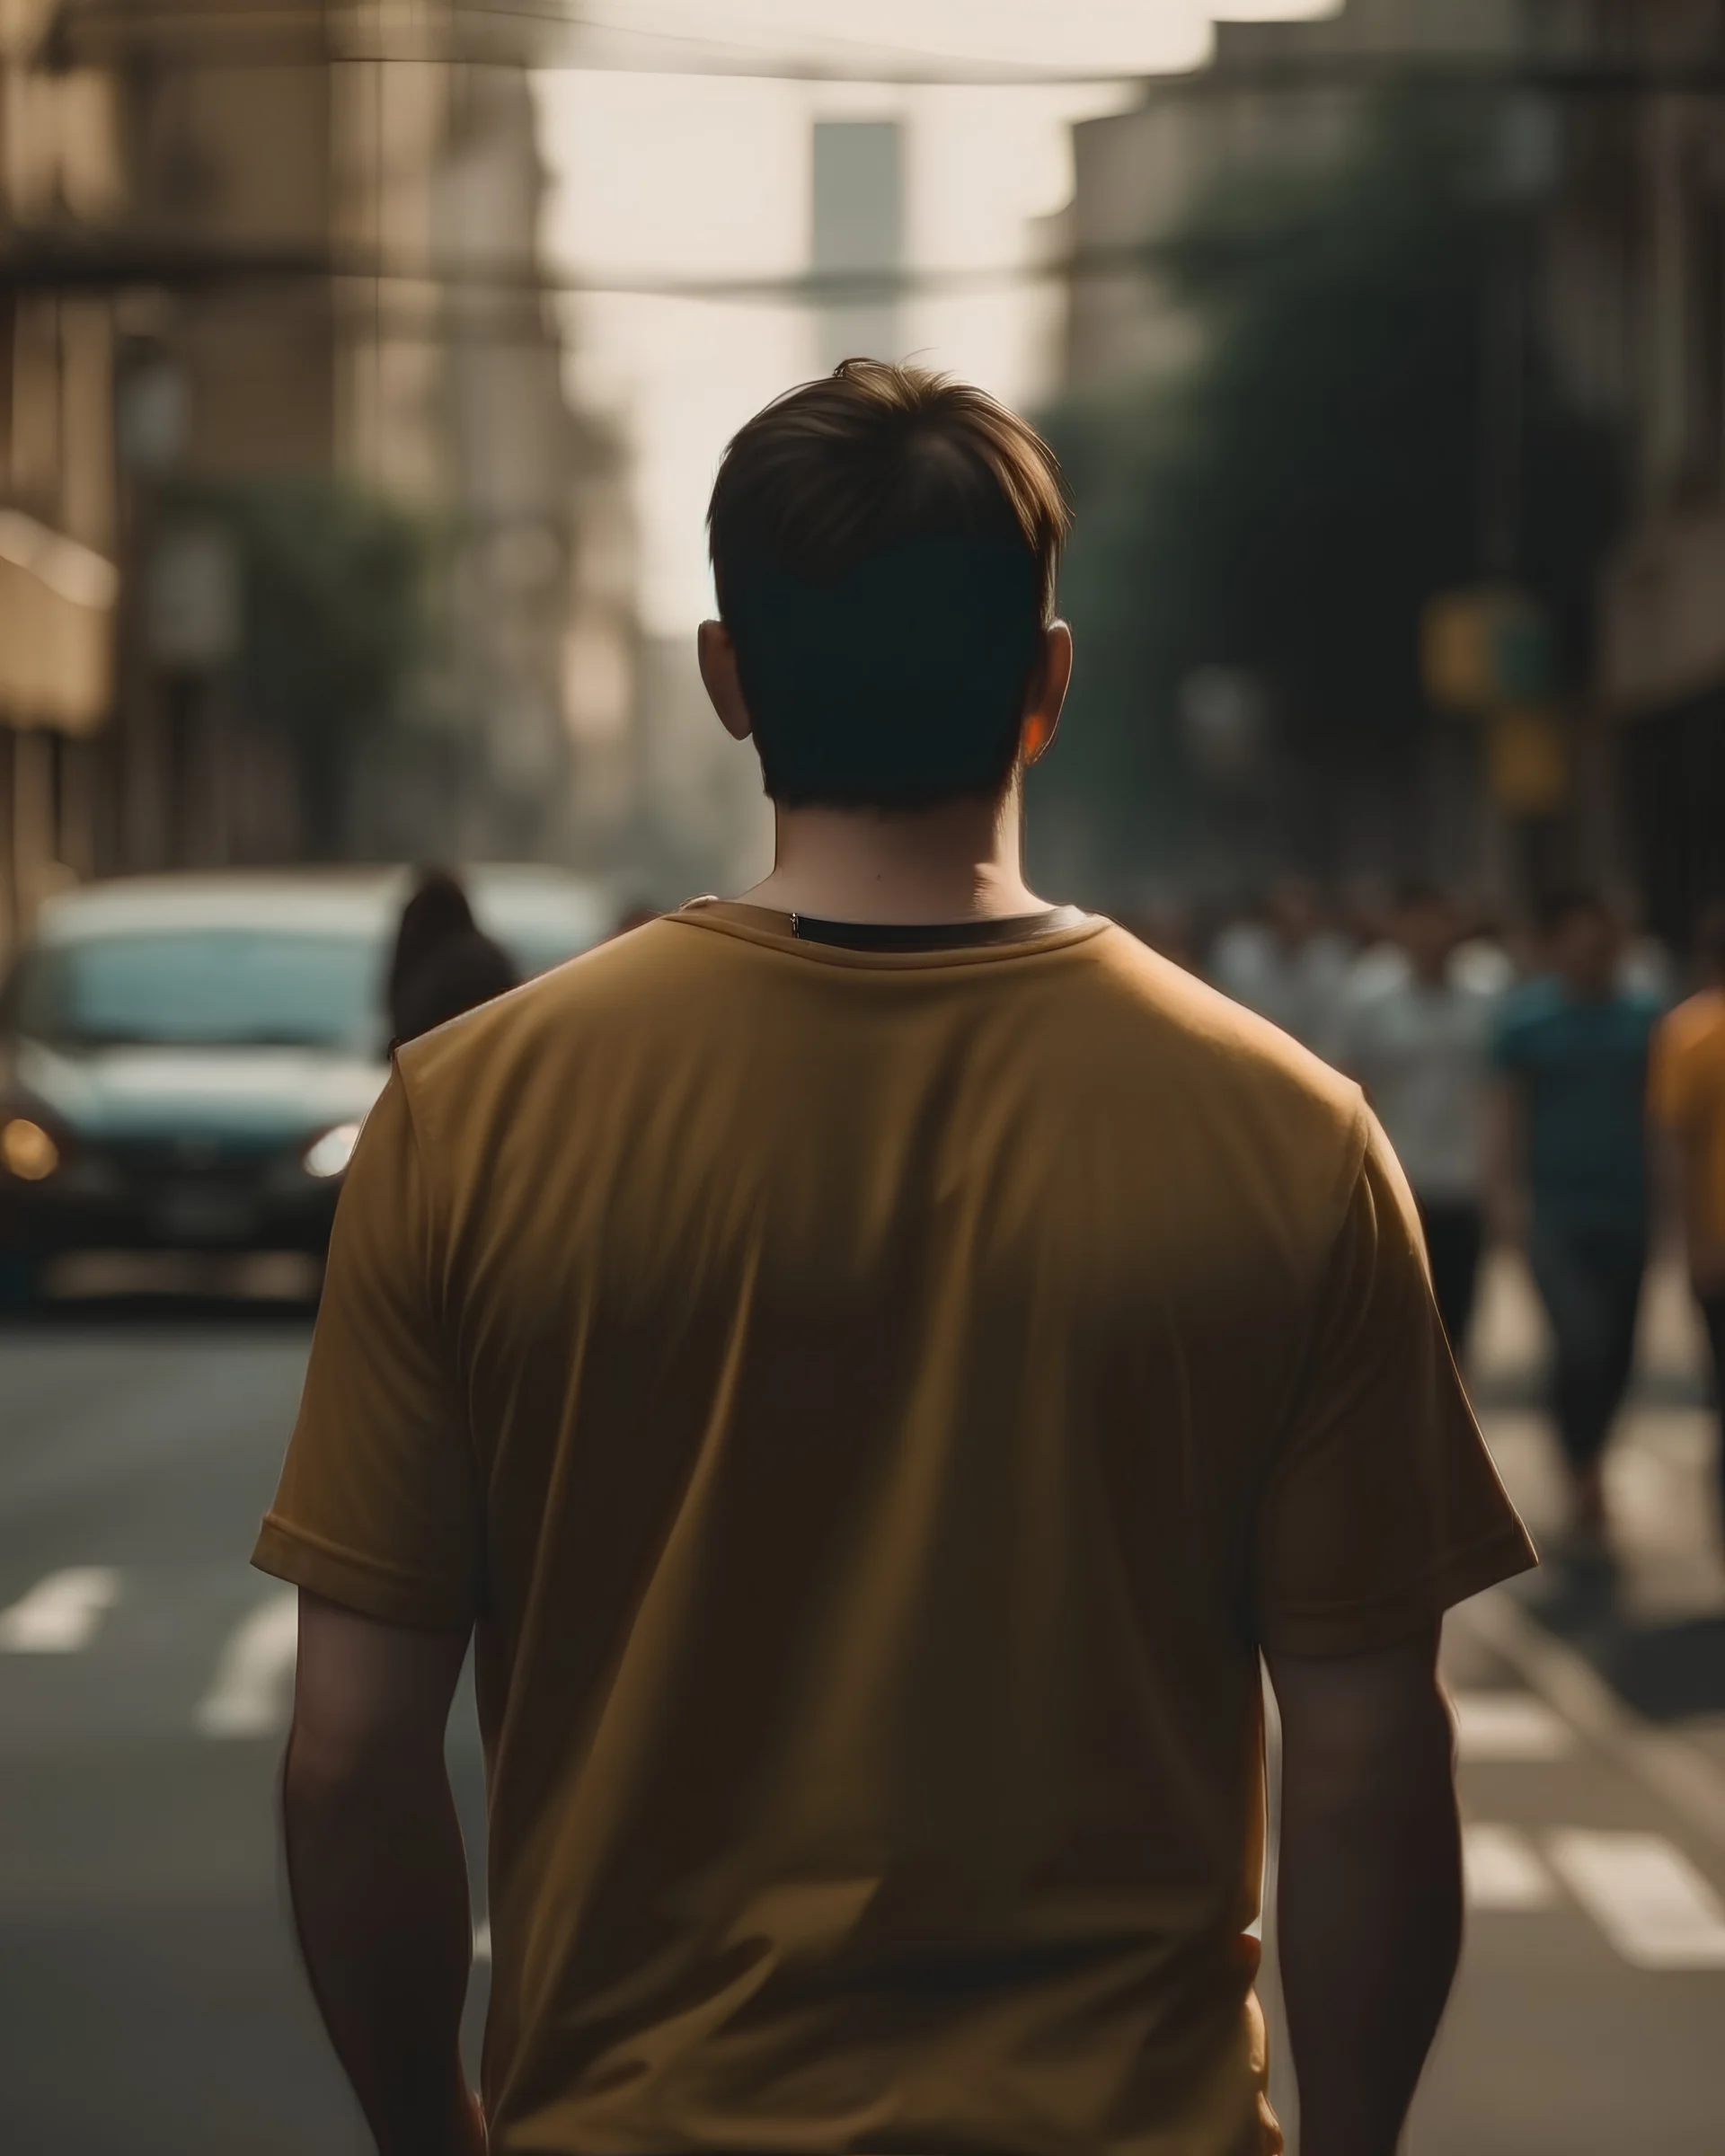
(872, 1365)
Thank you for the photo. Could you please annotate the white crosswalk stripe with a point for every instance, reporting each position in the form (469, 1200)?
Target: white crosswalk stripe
(252, 1691)
(1508, 1726)
(1502, 1869)
(1645, 1895)
(1654, 1907)
(61, 1613)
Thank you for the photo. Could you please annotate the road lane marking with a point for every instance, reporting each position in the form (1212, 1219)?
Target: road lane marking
(1508, 1724)
(61, 1613)
(1645, 1895)
(252, 1691)
(1502, 1869)
(1676, 1772)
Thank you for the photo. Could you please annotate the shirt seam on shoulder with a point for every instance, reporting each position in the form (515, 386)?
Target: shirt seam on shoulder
(437, 1235)
(1359, 1138)
(436, 1240)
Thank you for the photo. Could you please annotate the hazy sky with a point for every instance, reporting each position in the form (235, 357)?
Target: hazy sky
(678, 175)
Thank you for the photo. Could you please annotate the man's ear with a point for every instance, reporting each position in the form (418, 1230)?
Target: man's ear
(717, 658)
(1045, 694)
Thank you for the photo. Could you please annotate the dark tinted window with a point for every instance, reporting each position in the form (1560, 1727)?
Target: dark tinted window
(206, 988)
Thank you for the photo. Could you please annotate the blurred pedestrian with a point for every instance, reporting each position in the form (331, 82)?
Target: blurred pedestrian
(1687, 1093)
(1288, 964)
(876, 1362)
(1571, 1181)
(444, 963)
(1414, 1031)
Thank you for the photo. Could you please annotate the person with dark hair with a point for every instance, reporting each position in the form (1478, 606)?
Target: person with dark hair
(873, 1363)
(1414, 1033)
(1686, 1095)
(1570, 1171)
(443, 963)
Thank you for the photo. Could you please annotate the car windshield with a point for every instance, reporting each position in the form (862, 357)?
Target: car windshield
(207, 987)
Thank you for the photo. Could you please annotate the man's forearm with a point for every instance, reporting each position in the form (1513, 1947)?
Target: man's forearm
(1369, 1925)
(379, 1886)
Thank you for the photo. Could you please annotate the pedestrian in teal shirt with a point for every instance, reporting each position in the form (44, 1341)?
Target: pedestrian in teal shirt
(1572, 1050)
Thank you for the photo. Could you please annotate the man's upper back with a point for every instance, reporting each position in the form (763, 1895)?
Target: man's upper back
(876, 1405)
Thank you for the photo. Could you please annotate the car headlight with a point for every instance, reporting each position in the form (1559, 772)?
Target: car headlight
(330, 1155)
(27, 1150)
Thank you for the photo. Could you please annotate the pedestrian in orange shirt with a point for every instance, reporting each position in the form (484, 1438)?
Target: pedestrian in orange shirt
(1686, 1092)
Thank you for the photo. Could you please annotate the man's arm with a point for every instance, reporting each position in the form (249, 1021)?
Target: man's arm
(1369, 1901)
(376, 1871)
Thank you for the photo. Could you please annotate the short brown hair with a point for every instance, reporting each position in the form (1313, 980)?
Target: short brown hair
(885, 543)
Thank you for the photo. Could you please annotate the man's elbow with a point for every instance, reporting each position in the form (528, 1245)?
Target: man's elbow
(1362, 1735)
(1404, 1764)
(336, 1767)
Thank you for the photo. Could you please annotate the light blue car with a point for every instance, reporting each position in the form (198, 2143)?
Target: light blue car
(185, 1060)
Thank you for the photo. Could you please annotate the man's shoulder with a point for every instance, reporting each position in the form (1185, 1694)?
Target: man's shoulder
(1695, 1026)
(635, 971)
(1192, 1035)
(1540, 995)
(1529, 1008)
(1117, 1011)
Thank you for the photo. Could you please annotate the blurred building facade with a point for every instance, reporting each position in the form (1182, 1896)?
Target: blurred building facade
(273, 292)
(1277, 97)
(1612, 175)
(58, 512)
(1657, 251)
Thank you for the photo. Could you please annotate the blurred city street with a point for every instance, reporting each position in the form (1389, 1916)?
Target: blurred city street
(365, 373)
(143, 1689)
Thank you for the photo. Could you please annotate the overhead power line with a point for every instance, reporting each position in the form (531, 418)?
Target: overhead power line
(566, 33)
(552, 34)
(106, 266)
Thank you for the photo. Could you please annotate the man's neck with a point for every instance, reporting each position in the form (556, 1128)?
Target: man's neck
(956, 862)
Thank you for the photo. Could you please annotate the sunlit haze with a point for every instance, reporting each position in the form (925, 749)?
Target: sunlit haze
(895, 36)
(680, 176)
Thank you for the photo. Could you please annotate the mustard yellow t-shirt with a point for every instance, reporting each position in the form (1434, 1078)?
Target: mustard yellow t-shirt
(874, 1407)
(1687, 1093)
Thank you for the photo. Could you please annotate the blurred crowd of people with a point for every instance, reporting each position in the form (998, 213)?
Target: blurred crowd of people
(1558, 1087)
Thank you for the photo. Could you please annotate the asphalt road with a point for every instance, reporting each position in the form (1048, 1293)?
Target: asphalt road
(149, 1998)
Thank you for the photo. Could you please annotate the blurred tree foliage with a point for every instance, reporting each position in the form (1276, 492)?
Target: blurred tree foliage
(1287, 504)
(336, 623)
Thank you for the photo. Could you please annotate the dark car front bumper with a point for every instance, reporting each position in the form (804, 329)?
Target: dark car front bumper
(169, 1195)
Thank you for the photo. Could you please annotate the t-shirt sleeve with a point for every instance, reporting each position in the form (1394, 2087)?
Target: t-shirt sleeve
(378, 1506)
(1381, 1507)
